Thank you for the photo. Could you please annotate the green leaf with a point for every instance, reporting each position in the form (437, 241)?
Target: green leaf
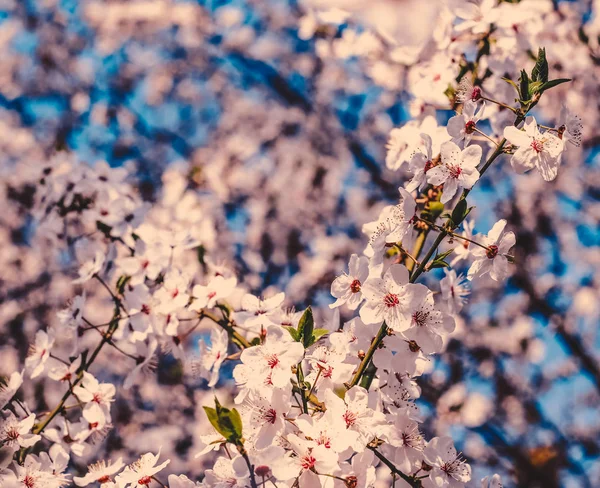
(444, 255)
(318, 333)
(226, 422)
(460, 212)
(540, 70)
(524, 85)
(306, 327)
(293, 332)
(439, 260)
(553, 83)
(438, 264)
(213, 418)
(534, 88)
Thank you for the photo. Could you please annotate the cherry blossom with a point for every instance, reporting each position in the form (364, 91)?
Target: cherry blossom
(390, 299)
(347, 287)
(535, 149)
(140, 473)
(100, 472)
(449, 468)
(458, 169)
(454, 290)
(16, 433)
(39, 353)
(462, 126)
(490, 256)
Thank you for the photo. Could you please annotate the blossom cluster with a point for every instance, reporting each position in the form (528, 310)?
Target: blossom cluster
(314, 406)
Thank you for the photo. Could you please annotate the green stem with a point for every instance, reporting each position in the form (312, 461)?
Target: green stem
(300, 376)
(438, 240)
(412, 482)
(241, 341)
(106, 338)
(368, 356)
(250, 466)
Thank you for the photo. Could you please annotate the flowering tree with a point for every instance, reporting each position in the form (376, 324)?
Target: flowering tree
(138, 329)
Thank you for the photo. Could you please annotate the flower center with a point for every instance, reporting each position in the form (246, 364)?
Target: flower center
(308, 461)
(103, 479)
(29, 481)
(428, 165)
(492, 251)
(420, 318)
(12, 434)
(145, 480)
(454, 170)
(391, 300)
(270, 416)
(272, 360)
(324, 440)
(355, 286)
(350, 418)
(470, 127)
(538, 146)
(476, 93)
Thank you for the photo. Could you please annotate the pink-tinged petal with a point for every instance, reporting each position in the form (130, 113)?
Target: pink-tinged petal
(373, 289)
(478, 268)
(450, 189)
(456, 125)
(496, 231)
(499, 269)
(507, 242)
(448, 324)
(530, 126)
(524, 159)
(469, 178)
(517, 137)
(548, 166)
(370, 313)
(471, 156)
(428, 143)
(450, 153)
(398, 273)
(408, 203)
(340, 286)
(469, 108)
(363, 269)
(437, 176)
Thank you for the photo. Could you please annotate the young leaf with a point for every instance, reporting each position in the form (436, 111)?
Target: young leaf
(540, 70)
(226, 422)
(317, 334)
(460, 213)
(213, 418)
(524, 85)
(553, 83)
(293, 332)
(306, 327)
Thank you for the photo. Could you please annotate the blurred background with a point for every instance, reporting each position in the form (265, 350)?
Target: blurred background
(277, 120)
